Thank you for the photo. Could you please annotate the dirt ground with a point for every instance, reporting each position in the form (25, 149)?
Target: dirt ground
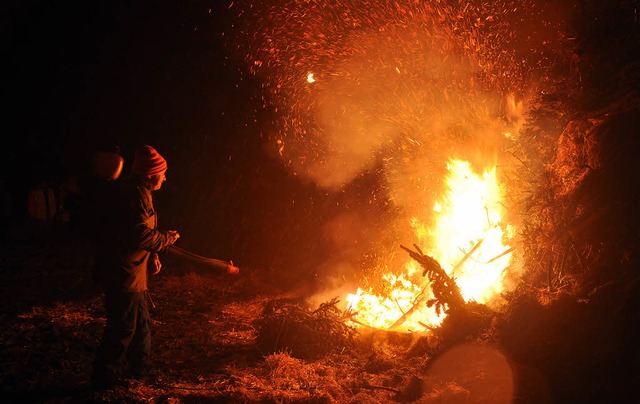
(206, 350)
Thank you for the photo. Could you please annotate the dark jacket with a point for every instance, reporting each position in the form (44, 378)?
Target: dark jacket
(130, 237)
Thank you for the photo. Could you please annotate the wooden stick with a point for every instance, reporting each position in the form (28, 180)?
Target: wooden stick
(467, 256)
(507, 251)
(409, 312)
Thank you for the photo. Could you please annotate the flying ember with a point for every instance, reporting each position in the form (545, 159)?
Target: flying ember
(424, 103)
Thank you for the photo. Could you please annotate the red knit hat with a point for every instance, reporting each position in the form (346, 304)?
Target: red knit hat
(148, 161)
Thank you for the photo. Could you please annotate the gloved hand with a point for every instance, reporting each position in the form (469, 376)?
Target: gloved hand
(173, 236)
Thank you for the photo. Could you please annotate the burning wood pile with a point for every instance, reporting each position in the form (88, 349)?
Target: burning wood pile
(289, 325)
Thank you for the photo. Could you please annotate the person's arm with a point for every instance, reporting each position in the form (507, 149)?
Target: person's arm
(146, 236)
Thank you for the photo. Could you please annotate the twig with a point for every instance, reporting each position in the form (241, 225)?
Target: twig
(507, 251)
(372, 387)
(425, 325)
(467, 256)
(360, 323)
(398, 305)
(419, 299)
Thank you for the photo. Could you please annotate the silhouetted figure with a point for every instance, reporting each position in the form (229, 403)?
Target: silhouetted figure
(126, 245)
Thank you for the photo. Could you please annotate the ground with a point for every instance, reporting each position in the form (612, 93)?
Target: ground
(206, 349)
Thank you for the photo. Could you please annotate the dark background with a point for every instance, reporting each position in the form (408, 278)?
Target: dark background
(84, 76)
(87, 76)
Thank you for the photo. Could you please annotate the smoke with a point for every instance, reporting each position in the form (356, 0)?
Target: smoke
(399, 88)
(389, 78)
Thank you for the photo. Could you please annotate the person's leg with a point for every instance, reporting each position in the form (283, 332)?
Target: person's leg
(118, 333)
(140, 348)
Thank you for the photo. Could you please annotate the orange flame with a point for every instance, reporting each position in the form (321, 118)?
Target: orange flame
(467, 239)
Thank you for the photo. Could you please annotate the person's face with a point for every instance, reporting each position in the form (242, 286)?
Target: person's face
(157, 181)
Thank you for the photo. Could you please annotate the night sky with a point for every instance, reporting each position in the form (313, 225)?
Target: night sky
(85, 76)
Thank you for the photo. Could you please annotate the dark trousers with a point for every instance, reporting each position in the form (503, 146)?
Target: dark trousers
(126, 335)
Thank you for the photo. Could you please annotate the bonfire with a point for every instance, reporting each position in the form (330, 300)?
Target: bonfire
(444, 209)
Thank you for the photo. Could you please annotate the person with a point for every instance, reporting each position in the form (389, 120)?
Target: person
(127, 249)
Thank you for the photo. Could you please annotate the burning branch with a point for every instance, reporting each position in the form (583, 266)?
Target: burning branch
(507, 251)
(445, 290)
(466, 256)
(419, 299)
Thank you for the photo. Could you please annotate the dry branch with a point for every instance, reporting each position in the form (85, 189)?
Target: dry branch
(467, 256)
(419, 299)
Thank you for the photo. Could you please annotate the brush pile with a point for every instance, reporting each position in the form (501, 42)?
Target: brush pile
(289, 325)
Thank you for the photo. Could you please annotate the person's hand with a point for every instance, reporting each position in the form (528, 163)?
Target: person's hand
(232, 269)
(173, 236)
(157, 265)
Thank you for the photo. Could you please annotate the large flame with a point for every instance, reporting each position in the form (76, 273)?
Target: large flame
(400, 87)
(467, 238)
